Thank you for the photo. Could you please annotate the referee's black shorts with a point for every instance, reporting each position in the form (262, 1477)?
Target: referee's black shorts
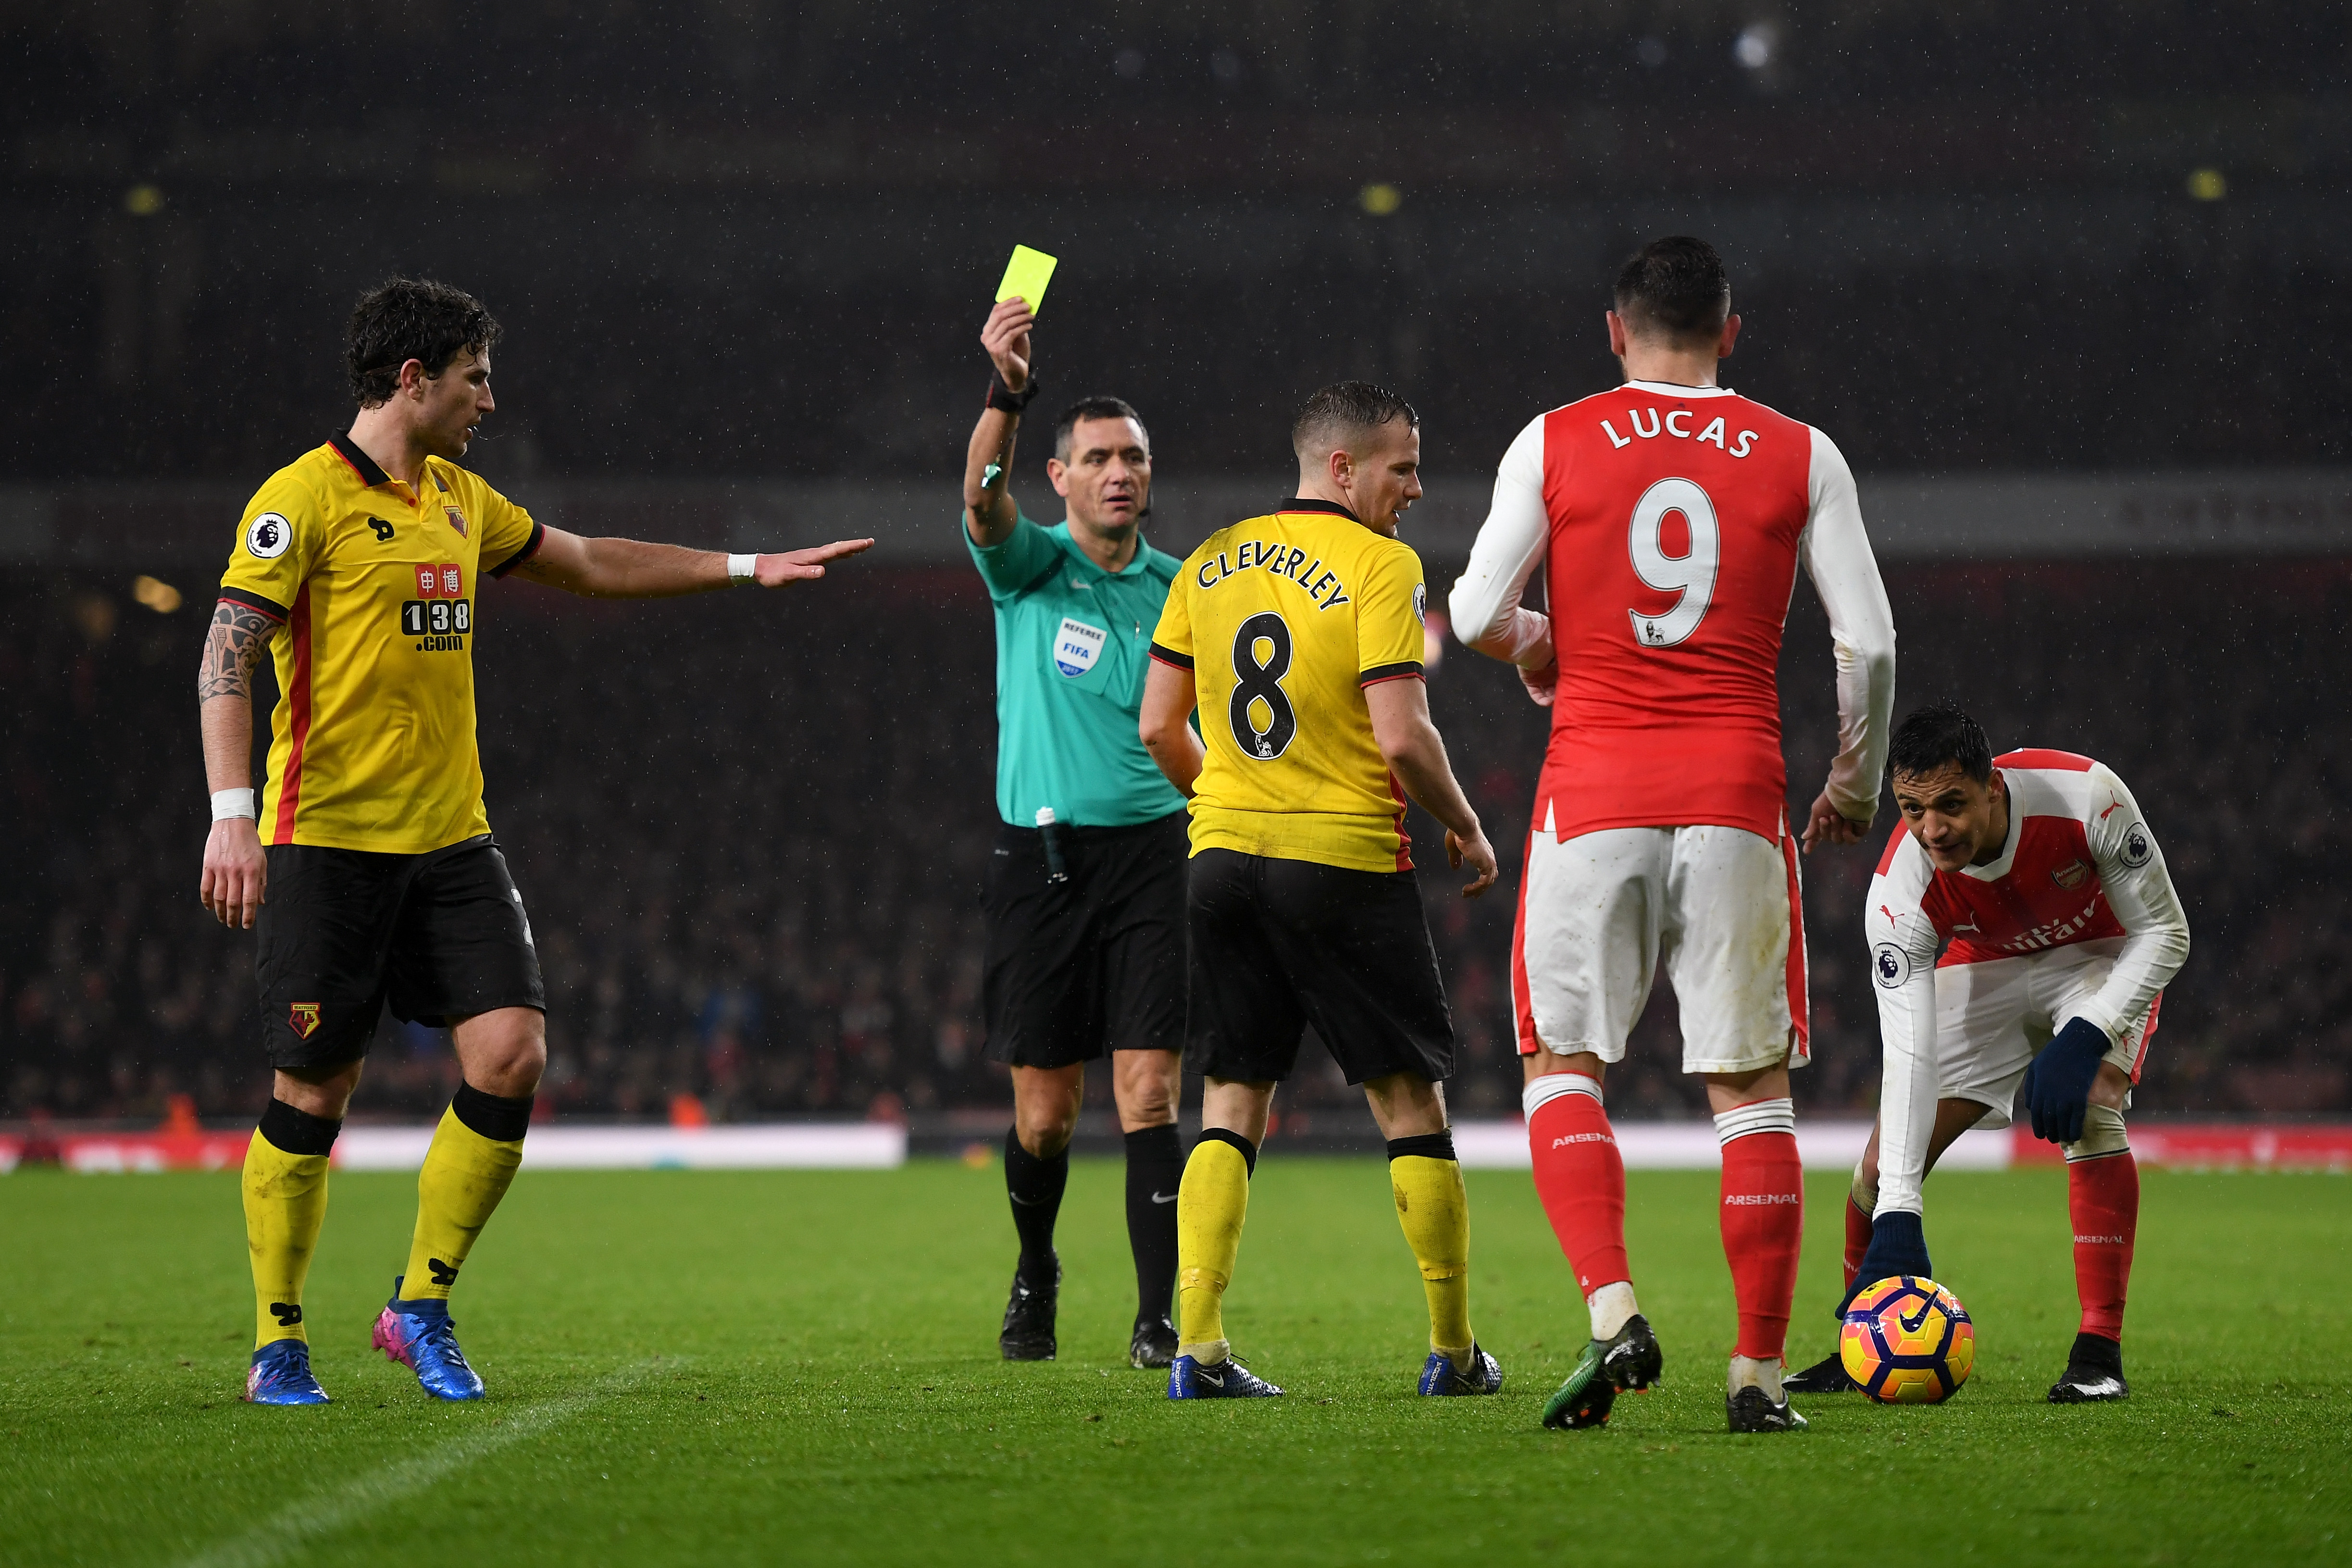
(1278, 944)
(342, 931)
(1092, 964)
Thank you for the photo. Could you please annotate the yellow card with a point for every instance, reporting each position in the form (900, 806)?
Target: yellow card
(1026, 275)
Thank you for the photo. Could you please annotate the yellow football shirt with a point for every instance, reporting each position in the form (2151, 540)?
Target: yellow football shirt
(1283, 620)
(372, 745)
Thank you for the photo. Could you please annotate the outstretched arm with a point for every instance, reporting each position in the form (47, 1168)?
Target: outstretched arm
(235, 873)
(989, 510)
(630, 569)
(1415, 753)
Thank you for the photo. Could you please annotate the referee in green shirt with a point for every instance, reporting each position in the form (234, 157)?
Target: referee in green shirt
(1086, 889)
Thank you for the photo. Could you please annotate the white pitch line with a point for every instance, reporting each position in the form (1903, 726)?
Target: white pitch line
(330, 1510)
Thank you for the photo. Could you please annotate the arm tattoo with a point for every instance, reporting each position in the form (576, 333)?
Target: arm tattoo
(232, 648)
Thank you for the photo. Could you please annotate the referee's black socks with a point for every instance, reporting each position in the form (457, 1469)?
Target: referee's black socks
(1034, 1186)
(1155, 1169)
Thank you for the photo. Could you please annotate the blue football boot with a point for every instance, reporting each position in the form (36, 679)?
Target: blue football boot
(280, 1374)
(420, 1336)
(1483, 1375)
(1227, 1379)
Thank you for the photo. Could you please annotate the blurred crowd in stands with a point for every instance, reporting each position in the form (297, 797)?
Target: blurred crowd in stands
(757, 240)
(750, 831)
(604, 373)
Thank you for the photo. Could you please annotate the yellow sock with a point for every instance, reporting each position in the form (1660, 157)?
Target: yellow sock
(1434, 1211)
(464, 1177)
(284, 1205)
(1211, 1204)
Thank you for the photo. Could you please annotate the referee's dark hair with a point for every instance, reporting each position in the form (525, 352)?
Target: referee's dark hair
(1093, 408)
(404, 319)
(1342, 411)
(1676, 287)
(1939, 734)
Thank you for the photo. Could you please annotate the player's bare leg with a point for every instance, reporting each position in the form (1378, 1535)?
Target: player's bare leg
(1762, 1214)
(1045, 1103)
(1581, 1178)
(1145, 1085)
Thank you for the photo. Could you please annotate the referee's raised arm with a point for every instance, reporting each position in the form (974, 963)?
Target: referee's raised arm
(989, 512)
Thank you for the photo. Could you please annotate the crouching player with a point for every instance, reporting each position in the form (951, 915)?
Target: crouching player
(2036, 875)
(1299, 637)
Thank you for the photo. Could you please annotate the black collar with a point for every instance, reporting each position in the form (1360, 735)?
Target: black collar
(370, 473)
(1300, 503)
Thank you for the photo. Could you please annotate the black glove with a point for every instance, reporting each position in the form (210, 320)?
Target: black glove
(1897, 1246)
(2058, 1084)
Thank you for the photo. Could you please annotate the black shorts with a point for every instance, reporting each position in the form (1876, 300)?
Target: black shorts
(1280, 944)
(342, 931)
(1092, 964)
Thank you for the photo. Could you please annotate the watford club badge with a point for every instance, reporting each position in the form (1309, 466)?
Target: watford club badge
(303, 1019)
(456, 520)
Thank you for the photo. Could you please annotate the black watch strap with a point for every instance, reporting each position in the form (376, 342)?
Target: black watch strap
(1001, 397)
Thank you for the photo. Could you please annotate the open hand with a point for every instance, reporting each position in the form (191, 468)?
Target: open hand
(1006, 339)
(236, 873)
(1481, 856)
(804, 565)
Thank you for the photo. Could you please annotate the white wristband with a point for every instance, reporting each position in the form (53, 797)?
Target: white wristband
(741, 568)
(228, 802)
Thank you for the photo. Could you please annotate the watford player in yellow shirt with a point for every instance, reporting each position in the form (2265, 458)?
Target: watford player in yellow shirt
(1298, 636)
(368, 862)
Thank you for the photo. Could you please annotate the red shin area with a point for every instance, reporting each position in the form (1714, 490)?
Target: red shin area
(1763, 1227)
(1580, 1178)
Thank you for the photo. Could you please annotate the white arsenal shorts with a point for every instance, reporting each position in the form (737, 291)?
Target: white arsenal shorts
(1721, 905)
(1992, 1018)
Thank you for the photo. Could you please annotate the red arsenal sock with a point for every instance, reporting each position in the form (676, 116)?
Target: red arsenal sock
(1857, 1238)
(1580, 1176)
(2102, 1197)
(1763, 1219)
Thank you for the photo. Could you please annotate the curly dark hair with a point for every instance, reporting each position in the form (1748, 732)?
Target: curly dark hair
(404, 319)
(1676, 285)
(1339, 413)
(1938, 733)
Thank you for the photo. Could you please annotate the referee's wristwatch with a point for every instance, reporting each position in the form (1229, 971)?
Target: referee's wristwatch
(1002, 397)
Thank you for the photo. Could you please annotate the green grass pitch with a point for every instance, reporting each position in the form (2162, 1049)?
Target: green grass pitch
(772, 1367)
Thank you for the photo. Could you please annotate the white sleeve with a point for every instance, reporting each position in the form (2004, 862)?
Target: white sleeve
(1510, 546)
(2139, 890)
(1836, 553)
(1903, 943)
